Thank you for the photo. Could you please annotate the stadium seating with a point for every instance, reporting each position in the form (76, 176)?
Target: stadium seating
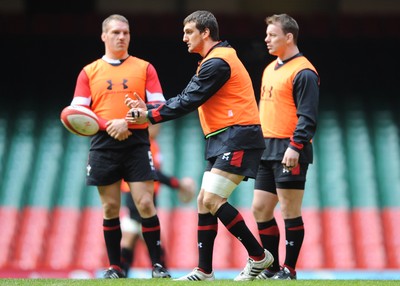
(51, 220)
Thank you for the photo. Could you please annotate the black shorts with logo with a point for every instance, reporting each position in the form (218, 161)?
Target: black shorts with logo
(272, 175)
(134, 164)
(240, 162)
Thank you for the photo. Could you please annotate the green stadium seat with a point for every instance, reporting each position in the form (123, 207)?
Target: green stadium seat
(387, 154)
(366, 220)
(334, 195)
(72, 178)
(19, 160)
(47, 168)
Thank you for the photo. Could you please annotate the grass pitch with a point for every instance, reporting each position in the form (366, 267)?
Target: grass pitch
(168, 282)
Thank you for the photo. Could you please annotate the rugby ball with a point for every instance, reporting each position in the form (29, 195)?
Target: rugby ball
(80, 120)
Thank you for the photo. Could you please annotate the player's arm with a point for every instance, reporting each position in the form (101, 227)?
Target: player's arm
(213, 74)
(169, 181)
(83, 96)
(186, 187)
(306, 96)
(154, 93)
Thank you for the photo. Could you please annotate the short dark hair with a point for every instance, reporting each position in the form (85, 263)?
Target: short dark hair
(204, 20)
(288, 24)
(116, 17)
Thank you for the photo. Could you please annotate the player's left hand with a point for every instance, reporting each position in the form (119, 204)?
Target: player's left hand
(135, 103)
(290, 159)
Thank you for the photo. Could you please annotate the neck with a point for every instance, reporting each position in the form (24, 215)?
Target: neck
(117, 56)
(207, 47)
(289, 53)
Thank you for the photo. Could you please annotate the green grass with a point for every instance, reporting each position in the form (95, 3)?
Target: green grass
(165, 282)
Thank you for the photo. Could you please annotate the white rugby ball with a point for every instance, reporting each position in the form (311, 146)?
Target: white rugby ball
(80, 120)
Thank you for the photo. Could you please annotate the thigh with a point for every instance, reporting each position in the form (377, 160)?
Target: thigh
(143, 197)
(110, 197)
(290, 201)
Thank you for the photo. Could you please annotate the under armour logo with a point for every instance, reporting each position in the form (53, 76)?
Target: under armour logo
(285, 170)
(111, 84)
(290, 243)
(239, 238)
(270, 91)
(200, 245)
(225, 156)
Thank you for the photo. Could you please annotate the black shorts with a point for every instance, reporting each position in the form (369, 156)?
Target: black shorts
(242, 162)
(272, 175)
(106, 167)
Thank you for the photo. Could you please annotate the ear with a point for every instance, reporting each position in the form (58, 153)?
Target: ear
(103, 37)
(289, 37)
(206, 33)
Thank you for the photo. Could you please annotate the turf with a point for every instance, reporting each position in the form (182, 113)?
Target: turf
(167, 282)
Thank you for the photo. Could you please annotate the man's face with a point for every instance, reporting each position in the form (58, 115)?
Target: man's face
(276, 40)
(117, 37)
(193, 38)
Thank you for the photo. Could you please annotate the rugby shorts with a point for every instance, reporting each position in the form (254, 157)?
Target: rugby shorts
(133, 164)
(241, 162)
(272, 175)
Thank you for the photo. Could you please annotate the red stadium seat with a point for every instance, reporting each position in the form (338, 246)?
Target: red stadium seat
(9, 224)
(390, 223)
(338, 238)
(368, 238)
(312, 251)
(91, 249)
(183, 243)
(61, 242)
(31, 238)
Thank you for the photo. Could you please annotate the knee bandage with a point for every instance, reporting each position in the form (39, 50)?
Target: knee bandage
(217, 184)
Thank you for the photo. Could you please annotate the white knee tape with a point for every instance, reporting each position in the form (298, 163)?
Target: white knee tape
(217, 184)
